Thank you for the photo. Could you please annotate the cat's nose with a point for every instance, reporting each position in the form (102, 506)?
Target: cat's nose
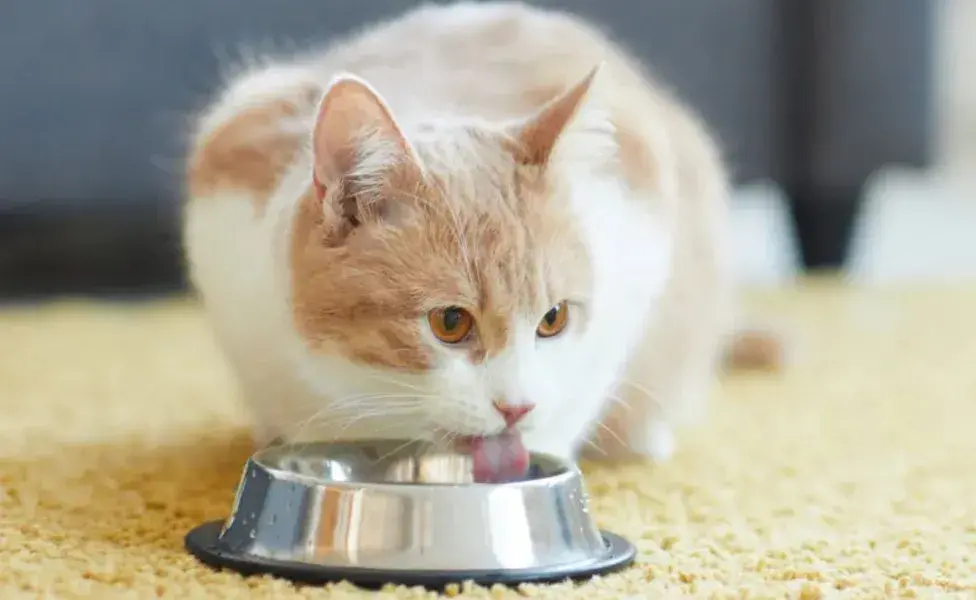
(512, 413)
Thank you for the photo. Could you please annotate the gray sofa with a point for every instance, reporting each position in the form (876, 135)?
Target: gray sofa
(812, 94)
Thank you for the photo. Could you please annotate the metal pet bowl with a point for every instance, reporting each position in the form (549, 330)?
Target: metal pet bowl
(386, 512)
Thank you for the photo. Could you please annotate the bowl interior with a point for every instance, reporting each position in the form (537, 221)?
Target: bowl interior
(388, 462)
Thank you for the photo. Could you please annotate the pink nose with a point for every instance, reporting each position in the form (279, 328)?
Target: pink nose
(512, 413)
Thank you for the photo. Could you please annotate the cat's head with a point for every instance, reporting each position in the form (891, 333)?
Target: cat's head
(451, 255)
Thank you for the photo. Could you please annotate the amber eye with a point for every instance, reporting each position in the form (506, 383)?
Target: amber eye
(450, 325)
(554, 321)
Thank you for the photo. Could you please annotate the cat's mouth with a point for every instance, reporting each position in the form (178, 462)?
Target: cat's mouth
(497, 458)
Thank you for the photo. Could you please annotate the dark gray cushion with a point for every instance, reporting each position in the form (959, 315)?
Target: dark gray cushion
(102, 89)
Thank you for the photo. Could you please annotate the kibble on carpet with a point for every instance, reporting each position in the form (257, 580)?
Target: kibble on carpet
(851, 474)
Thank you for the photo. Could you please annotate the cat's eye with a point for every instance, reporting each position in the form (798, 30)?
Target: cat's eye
(450, 325)
(554, 321)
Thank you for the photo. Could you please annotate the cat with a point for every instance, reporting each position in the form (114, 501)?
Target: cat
(464, 221)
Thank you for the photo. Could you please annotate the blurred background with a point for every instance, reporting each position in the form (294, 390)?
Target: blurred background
(850, 126)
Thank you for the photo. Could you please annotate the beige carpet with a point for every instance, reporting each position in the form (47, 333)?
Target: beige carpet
(853, 474)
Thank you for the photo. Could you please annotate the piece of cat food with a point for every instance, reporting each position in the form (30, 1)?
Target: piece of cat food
(498, 458)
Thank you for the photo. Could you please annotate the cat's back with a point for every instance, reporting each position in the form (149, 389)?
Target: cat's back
(490, 59)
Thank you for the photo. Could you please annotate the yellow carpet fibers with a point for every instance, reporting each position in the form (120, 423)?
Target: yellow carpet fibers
(853, 474)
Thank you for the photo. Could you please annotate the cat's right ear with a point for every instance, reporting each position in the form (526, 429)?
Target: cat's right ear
(542, 132)
(356, 142)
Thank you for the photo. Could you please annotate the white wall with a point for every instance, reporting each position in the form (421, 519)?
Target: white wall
(916, 226)
(957, 85)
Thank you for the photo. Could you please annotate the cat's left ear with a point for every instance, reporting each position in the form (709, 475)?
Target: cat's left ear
(356, 137)
(540, 134)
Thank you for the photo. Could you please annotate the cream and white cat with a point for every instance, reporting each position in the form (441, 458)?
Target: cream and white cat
(473, 218)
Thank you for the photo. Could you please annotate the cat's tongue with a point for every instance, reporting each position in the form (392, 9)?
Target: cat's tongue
(498, 458)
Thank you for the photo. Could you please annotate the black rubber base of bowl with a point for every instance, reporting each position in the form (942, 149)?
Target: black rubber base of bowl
(201, 542)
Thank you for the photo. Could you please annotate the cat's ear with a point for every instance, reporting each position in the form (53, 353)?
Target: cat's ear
(357, 143)
(539, 135)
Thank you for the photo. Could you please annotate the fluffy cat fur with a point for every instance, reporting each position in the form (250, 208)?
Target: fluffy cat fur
(492, 156)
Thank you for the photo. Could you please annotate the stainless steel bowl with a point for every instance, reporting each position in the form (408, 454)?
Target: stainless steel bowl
(392, 512)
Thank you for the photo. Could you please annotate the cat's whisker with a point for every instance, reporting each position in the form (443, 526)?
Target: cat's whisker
(620, 401)
(335, 410)
(336, 435)
(404, 404)
(637, 386)
(299, 428)
(441, 438)
(390, 402)
(447, 438)
(596, 447)
(391, 398)
(398, 448)
(376, 431)
(383, 406)
(367, 409)
(363, 417)
(366, 397)
(613, 434)
(396, 382)
(649, 394)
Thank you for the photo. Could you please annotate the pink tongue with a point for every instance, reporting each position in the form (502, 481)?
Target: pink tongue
(499, 458)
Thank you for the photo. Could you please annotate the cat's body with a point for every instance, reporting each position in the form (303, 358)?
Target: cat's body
(324, 291)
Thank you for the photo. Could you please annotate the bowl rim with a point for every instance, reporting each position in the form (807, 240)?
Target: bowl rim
(202, 542)
(570, 472)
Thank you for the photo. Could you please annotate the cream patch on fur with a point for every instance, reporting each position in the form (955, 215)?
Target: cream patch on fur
(247, 140)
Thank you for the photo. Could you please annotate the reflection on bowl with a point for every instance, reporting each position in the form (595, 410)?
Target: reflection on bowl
(388, 462)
